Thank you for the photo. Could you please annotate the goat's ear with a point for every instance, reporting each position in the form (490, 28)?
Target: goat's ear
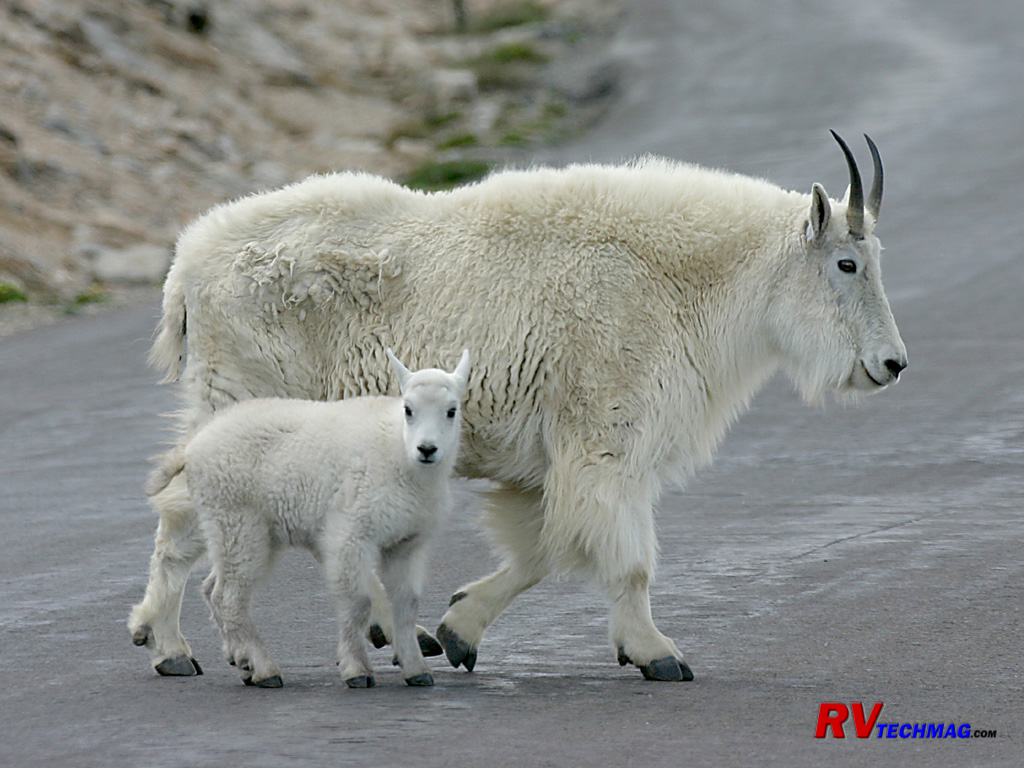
(401, 372)
(821, 213)
(461, 371)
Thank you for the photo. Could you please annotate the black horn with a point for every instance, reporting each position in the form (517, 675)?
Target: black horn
(874, 203)
(855, 205)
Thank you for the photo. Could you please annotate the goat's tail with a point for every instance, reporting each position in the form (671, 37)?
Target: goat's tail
(168, 349)
(169, 466)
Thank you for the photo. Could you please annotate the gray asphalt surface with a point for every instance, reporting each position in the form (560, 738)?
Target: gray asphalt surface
(833, 554)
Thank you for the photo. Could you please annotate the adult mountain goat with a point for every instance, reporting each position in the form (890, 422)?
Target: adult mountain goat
(622, 317)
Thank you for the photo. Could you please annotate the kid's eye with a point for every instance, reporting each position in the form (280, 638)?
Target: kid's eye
(847, 265)
(408, 412)
(451, 413)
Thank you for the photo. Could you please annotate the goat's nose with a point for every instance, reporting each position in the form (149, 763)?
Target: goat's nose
(426, 451)
(895, 367)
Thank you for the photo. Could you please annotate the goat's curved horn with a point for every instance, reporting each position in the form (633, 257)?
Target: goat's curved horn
(855, 205)
(874, 203)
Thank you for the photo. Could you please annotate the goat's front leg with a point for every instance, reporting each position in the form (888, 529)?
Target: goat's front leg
(348, 571)
(515, 519)
(403, 568)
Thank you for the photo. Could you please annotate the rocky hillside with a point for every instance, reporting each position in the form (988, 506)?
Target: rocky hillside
(121, 120)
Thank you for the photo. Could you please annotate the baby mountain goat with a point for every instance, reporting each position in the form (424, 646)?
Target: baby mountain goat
(363, 483)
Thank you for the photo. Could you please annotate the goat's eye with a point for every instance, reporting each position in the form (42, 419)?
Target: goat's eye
(408, 412)
(847, 265)
(451, 413)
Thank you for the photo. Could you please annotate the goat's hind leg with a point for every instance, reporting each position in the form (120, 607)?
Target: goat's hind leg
(228, 590)
(154, 623)
(382, 628)
(209, 584)
(634, 635)
(619, 525)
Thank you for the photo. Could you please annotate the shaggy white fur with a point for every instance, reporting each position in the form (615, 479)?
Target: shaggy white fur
(362, 483)
(622, 317)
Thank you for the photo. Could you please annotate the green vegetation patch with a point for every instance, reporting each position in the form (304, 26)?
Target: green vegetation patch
(513, 138)
(421, 129)
(511, 65)
(11, 292)
(458, 140)
(446, 174)
(511, 14)
(93, 295)
(515, 52)
(441, 120)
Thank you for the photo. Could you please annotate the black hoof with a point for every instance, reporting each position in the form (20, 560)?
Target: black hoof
(669, 669)
(142, 635)
(456, 597)
(428, 645)
(377, 636)
(623, 658)
(179, 666)
(274, 681)
(361, 681)
(456, 649)
(420, 680)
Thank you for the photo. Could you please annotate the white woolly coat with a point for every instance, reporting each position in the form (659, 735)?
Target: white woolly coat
(298, 465)
(620, 317)
(609, 292)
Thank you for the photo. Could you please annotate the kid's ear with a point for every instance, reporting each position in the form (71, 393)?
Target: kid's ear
(401, 372)
(461, 371)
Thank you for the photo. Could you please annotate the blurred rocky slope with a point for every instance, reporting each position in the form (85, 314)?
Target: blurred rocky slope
(121, 120)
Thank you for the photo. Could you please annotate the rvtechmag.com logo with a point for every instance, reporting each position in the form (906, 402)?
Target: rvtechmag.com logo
(833, 716)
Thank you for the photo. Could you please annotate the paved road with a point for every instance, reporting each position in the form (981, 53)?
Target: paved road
(838, 554)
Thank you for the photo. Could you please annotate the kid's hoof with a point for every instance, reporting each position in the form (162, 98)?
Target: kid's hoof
(670, 669)
(179, 666)
(456, 649)
(428, 645)
(274, 681)
(377, 637)
(142, 635)
(420, 680)
(362, 681)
